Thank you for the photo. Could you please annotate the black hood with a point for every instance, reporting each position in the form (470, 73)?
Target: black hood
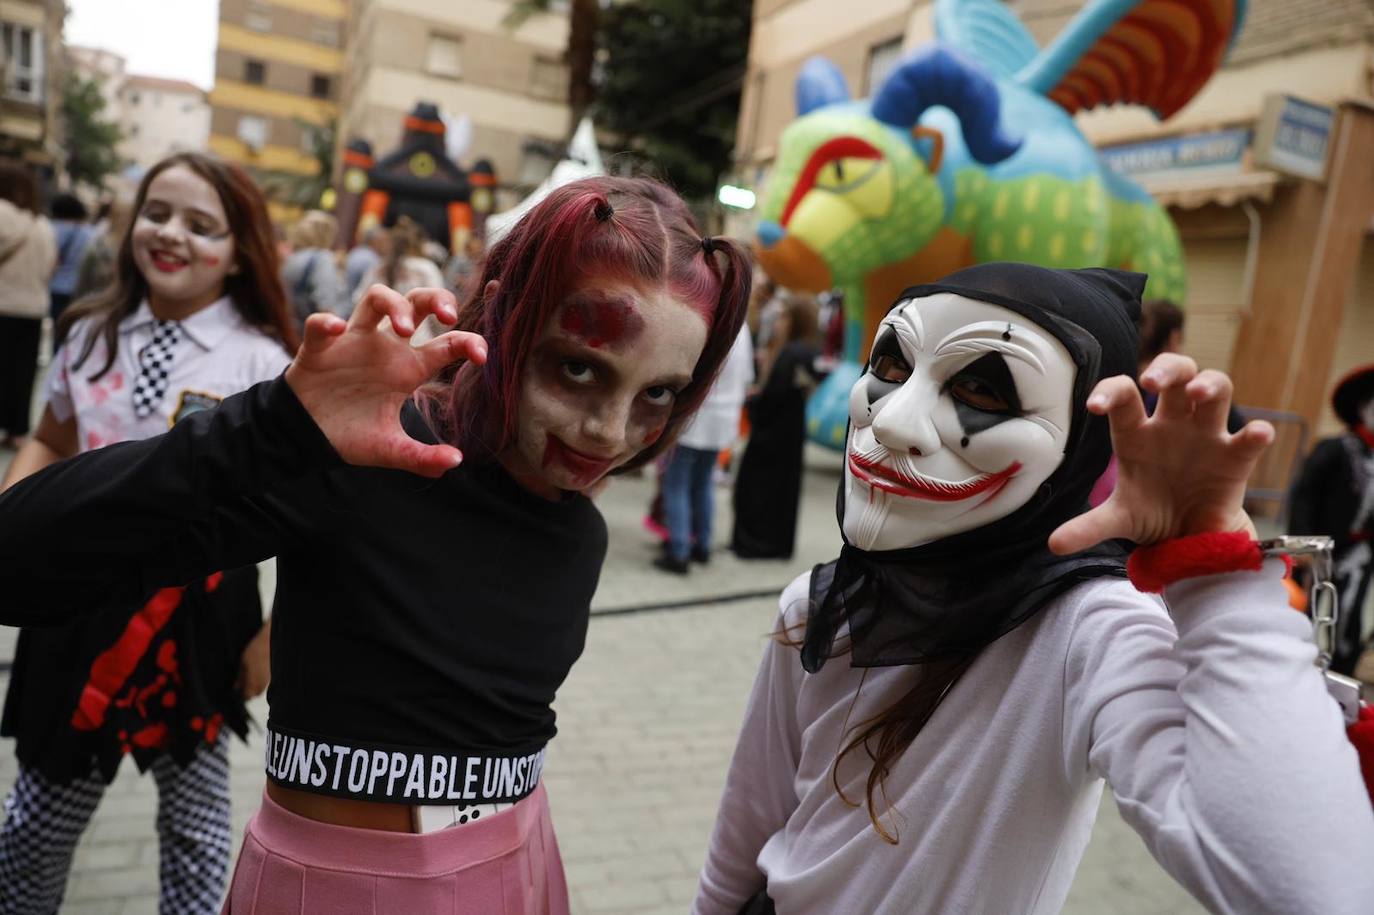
(950, 598)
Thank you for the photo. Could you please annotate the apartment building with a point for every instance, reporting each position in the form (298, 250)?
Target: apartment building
(510, 84)
(161, 117)
(277, 73)
(30, 79)
(1280, 280)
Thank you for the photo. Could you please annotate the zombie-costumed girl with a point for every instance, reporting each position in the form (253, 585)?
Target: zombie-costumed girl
(426, 611)
(974, 665)
(194, 314)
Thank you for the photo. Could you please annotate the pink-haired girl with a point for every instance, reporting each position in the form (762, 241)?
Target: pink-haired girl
(427, 609)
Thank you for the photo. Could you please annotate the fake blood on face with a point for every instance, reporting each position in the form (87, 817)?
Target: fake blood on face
(584, 468)
(598, 322)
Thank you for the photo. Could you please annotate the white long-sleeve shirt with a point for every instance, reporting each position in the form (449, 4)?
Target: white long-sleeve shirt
(1213, 729)
(715, 425)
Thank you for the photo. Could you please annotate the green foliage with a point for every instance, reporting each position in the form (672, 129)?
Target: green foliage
(92, 142)
(304, 191)
(671, 72)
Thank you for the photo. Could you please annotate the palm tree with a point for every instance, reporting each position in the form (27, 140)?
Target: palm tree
(581, 53)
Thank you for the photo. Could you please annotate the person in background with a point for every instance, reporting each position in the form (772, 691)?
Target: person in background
(406, 267)
(688, 495)
(768, 485)
(463, 266)
(98, 266)
(74, 234)
(311, 273)
(196, 313)
(28, 255)
(368, 253)
(1334, 496)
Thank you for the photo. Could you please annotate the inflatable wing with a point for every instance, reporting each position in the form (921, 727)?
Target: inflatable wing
(1156, 53)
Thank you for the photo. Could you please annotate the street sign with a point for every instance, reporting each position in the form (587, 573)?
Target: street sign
(1293, 136)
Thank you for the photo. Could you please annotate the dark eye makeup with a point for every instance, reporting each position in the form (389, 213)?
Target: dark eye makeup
(986, 384)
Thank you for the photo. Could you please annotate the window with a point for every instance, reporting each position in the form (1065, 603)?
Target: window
(549, 78)
(325, 32)
(259, 17)
(320, 86)
(881, 59)
(444, 56)
(133, 98)
(536, 162)
(21, 55)
(133, 130)
(254, 72)
(253, 131)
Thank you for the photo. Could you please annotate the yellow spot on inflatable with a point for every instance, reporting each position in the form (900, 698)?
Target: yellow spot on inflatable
(1061, 205)
(995, 244)
(1057, 246)
(837, 435)
(1089, 241)
(1024, 237)
(999, 207)
(1032, 194)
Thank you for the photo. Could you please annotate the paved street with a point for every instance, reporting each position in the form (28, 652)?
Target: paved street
(647, 722)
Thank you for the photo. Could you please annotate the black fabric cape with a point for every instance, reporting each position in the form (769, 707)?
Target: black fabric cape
(950, 598)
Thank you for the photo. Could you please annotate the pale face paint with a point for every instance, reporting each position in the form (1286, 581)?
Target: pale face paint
(1366, 413)
(962, 413)
(600, 383)
(182, 244)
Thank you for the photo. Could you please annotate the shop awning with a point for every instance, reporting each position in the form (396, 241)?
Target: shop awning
(1199, 190)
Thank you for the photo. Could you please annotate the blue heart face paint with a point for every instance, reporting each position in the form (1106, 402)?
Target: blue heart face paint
(963, 412)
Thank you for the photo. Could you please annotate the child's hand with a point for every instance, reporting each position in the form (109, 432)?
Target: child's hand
(353, 377)
(1179, 471)
(255, 665)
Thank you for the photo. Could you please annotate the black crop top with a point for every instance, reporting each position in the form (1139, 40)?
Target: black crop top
(421, 627)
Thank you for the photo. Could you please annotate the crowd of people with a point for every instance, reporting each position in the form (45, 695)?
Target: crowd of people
(937, 710)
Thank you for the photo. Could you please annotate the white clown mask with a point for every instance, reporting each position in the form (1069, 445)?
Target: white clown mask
(963, 412)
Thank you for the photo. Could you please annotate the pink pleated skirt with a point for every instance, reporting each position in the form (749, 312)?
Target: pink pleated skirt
(506, 865)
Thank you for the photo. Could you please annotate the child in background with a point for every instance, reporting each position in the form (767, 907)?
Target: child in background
(194, 314)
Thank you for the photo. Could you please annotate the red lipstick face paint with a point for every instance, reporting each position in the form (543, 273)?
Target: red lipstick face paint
(602, 322)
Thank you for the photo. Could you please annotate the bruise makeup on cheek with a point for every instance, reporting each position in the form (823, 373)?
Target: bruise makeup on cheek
(601, 321)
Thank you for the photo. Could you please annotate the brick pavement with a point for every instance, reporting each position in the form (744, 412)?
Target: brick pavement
(647, 722)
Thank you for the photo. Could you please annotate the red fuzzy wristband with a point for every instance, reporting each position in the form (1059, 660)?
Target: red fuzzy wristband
(1153, 568)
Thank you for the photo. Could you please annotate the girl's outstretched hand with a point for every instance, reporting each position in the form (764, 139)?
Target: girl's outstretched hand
(1179, 471)
(354, 376)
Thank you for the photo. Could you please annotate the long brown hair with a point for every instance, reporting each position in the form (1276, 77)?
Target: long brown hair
(884, 737)
(255, 289)
(407, 240)
(18, 185)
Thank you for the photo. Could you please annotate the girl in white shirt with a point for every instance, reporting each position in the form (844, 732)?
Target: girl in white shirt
(195, 313)
(973, 667)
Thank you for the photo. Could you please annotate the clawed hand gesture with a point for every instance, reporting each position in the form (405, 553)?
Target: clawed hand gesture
(353, 377)
(1179, 472)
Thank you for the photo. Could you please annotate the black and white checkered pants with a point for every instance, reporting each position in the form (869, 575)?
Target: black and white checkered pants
(44, 821)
